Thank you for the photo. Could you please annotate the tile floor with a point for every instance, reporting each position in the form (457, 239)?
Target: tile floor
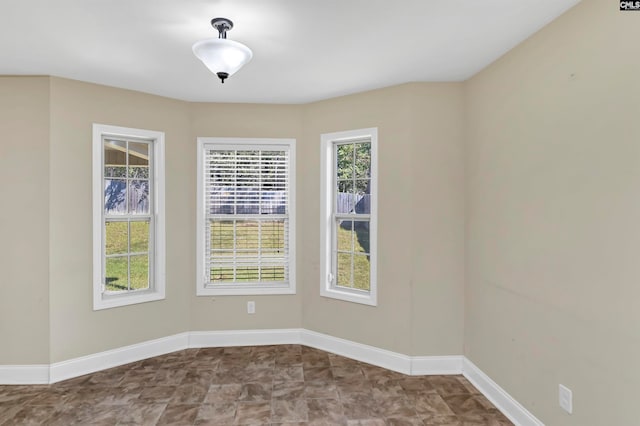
(290, 384)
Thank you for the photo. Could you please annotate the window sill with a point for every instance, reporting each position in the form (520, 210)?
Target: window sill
(116, 301)
(348, 296)
(244, 291)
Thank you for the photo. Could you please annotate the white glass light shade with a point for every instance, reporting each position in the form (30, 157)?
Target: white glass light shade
(222, 55)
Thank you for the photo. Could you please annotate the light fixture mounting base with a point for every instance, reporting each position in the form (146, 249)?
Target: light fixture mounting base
(222, 25)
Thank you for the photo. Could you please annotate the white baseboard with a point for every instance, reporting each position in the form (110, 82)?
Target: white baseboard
(24, 374)
(498, 396)
(102, 360)
(417, 365)
(212, 339)
(436, 365)
(358, 351)
(202, 339)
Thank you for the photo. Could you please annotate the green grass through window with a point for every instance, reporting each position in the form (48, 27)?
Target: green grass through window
(360, 258)
(252, 240)
(117, 243)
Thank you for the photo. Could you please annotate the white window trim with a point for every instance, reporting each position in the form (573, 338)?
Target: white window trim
(326, 207)
(201, 288)
(157, 287)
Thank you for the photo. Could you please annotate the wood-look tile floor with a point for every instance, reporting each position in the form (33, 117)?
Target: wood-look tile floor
(288, 384)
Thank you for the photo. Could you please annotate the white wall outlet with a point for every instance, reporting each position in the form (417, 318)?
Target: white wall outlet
(251, 307)
(566, 399)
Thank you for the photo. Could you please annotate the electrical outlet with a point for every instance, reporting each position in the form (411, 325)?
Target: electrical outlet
(566, 399)
(251, 307)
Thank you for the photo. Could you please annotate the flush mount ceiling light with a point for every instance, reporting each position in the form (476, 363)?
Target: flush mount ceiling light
(223, 57)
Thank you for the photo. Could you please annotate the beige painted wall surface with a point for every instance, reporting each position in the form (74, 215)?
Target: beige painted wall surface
(77, 330)
(24, 226)
(437, 209)
(553, 252)
(403, 198)
(246, 121)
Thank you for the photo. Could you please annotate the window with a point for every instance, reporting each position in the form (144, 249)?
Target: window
(246, 216)
(128, 214)
(349, 216)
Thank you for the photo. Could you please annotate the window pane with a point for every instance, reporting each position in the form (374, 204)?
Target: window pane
(115, 171)
(362, 186)
(139, 272)
(220, 200)
(272, 273)
(363, 197)
(273, 182)
(115, 159)
(272, 236)
(361, 268)
(247, 236)
(139, 160)
(345, 198)
(116, 146)
(138, 154)
(344, 161)
(345, 186)
(116, 236)
(363, 160)
(246, 273)
(221, 274)
(361, 237)
(247, 199)
(344, 269)
(247, 182)
(139, 172)
(273, 202)
(139, 196)
(139, 236)
(255, 242)
(116, 274)
(115, 196)
(221, 239)
(345, 235)
(220, 192)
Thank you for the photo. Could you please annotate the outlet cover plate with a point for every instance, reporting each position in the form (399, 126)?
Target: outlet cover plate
(566, 399)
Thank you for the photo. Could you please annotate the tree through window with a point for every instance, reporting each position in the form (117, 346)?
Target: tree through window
(348, 197)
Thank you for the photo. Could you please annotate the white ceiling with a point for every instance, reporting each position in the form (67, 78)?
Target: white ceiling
(304, 50)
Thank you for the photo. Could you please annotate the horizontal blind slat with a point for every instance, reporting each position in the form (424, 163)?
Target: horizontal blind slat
(246, 207)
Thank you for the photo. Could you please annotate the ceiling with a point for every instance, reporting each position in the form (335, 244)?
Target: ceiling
(304, 50)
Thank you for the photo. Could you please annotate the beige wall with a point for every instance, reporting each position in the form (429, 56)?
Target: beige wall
(60, 154)
(437, 221)
(553, 249)
(420, 168)
(24, 225)
(418, 139)
(75, 329)
(248, 121)
(420, 204)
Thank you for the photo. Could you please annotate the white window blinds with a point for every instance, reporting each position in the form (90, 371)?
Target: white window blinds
(246, 203)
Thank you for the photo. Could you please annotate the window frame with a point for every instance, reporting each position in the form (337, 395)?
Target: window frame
(157, 245)
(327, 220)
(202, 289)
